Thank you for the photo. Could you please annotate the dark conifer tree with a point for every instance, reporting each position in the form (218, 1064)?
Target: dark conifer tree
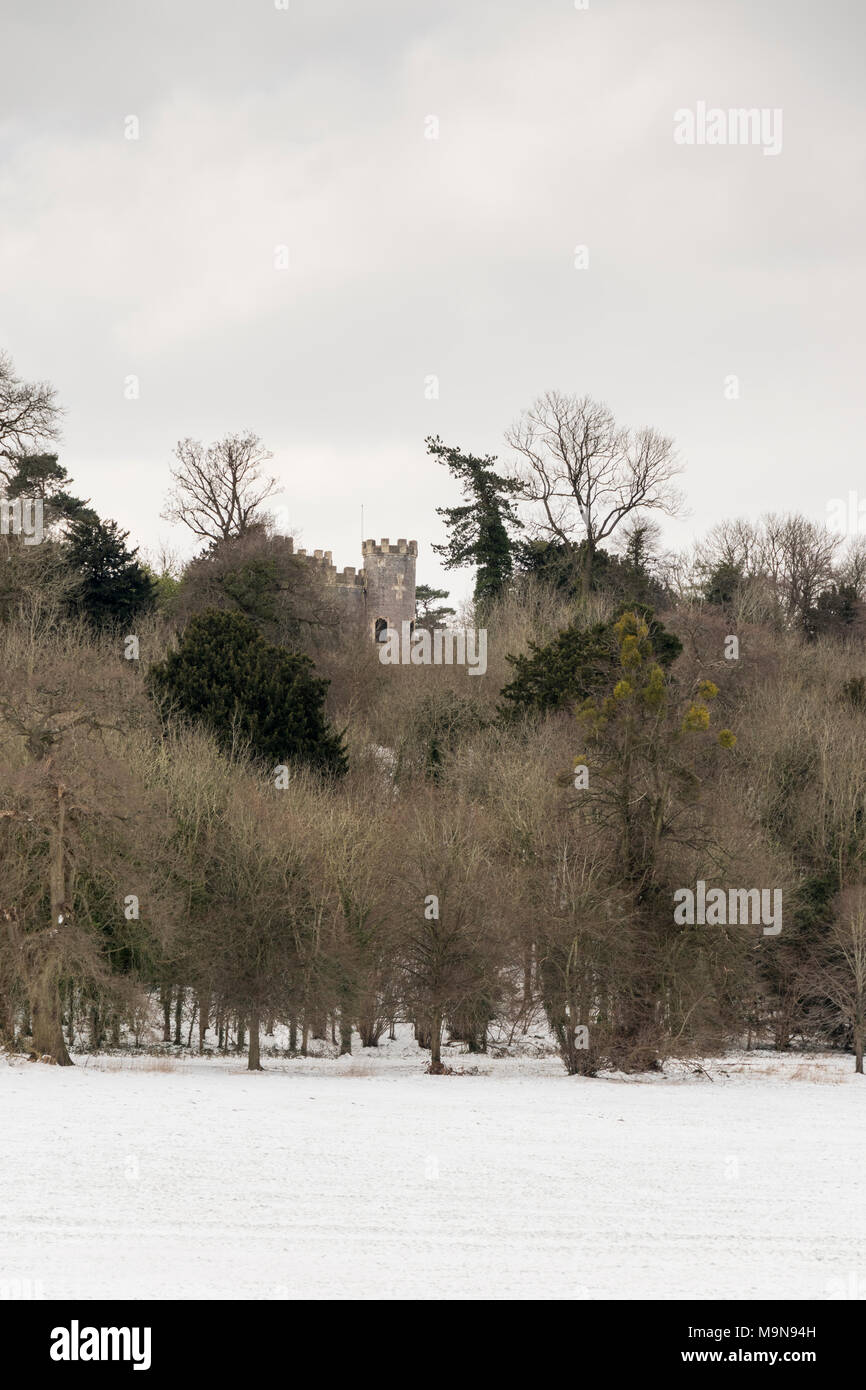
(224, 675)
(480, 527)
(113, 585)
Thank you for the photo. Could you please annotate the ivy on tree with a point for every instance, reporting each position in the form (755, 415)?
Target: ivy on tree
(479, 532)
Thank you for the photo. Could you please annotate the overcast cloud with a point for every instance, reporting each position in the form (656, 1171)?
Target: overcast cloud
(412, 257)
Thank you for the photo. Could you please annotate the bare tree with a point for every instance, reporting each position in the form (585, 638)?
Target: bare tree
(797, 554)
(583, 473)
(452, 948)
(29, 415)
(260, 576)
(735, 543)
(852, 565)
(844, 974)
(218, 492)
(784, 563)
(357, 860)
(71, 821)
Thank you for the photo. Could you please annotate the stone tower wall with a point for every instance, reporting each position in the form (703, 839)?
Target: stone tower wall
(383, 588)
(389, 574)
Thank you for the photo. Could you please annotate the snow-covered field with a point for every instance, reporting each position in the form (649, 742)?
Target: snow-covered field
(136, 1177)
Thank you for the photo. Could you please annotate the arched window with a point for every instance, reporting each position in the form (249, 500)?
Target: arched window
(381, 629)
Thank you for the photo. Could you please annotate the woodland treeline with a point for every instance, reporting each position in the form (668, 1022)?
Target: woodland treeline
(219, 809)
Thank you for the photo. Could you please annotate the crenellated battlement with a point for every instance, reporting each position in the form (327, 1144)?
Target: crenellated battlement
(323, 560)
(382, 591)
(383, 547)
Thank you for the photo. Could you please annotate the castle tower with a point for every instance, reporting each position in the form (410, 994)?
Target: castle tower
(389, 573)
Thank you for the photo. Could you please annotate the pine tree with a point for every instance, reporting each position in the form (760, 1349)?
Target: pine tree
(429, 612)
(480, 527)
(42, 476)
(113, 585)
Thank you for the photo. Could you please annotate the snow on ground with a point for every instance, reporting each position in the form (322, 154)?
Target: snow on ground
(144, 1177)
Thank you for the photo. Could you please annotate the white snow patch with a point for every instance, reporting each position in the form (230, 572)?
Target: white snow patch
(136, 1177)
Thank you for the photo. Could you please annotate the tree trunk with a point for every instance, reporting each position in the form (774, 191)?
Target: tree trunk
(345, 1035)
(70, 1016)
(203, 1020)
(587, 567)
(293, 1035)
(45, 1004)
(7, 1021)
(370, 1030)
(858, 1049)
(165, 998)
(436, 1042)
(241, 1034)
(178, 1016)
(527, 985)
(253, 1060)
(48, 1019)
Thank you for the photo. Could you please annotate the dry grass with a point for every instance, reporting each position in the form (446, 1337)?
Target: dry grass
(823, 1073)
(160, 1064)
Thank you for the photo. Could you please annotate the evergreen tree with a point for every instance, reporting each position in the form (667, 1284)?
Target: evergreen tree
(42, 476)
(556, 564)
(650, 754)
(429, 612)
(834, 612)
(480, 527)
(577, 663)
(113, 585)
(637, 576)
(224, 675)
(629, 577)
(722, 584)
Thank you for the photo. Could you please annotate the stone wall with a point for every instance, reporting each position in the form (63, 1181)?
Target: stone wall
(384, 587)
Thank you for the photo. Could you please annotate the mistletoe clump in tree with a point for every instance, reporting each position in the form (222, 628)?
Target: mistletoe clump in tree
(649, 756)
(577, 662)
(224, 675)
(641, 737)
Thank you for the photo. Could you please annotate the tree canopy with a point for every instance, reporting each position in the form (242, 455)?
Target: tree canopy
(224, 675)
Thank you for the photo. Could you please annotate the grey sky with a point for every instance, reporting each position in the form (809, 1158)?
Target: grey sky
(411, 257)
